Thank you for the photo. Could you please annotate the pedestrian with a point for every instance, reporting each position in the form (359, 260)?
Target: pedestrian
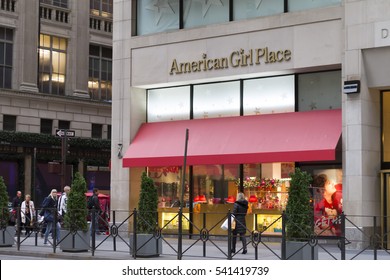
(94, 205)
(49, 206)
(240, 209)
(27, 214)
(16, 203)
(62, 203)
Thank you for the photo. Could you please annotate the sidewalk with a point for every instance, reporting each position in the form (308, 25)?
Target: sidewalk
(214, 249)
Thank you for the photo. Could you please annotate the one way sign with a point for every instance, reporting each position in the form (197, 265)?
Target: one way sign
(62, 132)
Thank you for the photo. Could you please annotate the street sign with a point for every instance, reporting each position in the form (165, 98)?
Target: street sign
(69, 133)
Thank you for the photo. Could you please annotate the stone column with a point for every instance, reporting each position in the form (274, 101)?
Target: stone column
(78, 49)
(27, 174)
(26, 46)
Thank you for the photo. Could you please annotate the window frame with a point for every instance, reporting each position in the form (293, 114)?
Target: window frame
(96, 131)
(6, 66)
(101, 59)
(44, 126)
(9, 122)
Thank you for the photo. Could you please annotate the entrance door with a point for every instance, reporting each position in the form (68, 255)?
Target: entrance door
(385, 208)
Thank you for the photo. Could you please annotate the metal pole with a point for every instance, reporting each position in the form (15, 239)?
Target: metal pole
(183, 172)
(284, 253)
(64, 152)
(342, 245)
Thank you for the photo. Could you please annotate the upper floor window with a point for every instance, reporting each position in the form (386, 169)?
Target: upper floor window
(102, 8)
(6, 53)
(9, 122)
(109, 132)
(52, 64)
(64, 124)
(58, 3)
(97, 131)
(46, 126)
(100, 72)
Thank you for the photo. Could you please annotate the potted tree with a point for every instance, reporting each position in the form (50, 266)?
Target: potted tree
(76, 236)
(146, 223)
(7, 232)
(299, 218)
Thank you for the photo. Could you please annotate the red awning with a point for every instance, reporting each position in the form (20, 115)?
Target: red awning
(285, 137)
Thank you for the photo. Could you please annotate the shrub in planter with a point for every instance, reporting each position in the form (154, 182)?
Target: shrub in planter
(147, 245)
(299, 213)
(7, 233)
(75, 220)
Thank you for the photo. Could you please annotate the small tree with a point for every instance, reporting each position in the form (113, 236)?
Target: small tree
(147, 205)
(4, 218)
(299, 211)
(76, 208)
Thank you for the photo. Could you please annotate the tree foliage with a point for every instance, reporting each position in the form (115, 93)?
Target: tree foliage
(4, 214)
(76, 213)
(147, 206)
(299, 211)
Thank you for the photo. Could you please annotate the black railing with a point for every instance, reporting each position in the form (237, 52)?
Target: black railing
(202, 237)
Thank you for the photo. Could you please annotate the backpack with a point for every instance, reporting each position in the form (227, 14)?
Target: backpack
(90, 203)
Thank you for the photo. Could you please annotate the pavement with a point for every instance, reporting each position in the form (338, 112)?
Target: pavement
(110, 248)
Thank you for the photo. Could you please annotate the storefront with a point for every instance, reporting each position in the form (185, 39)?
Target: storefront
(283, 64)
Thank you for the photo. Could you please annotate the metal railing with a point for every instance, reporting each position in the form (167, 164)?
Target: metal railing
(201, 236)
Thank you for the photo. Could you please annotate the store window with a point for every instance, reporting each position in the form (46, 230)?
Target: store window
(9, 122)
(97, 131)
(319, 91)
(102, 8)
(46, 126)
(52, 64)
(100, 73)
(6, 54)
(63, 124)
(386, 129)
(269, 95)
(153, 17)
(200, 13)
(168, 104)
(298, 5)
(216, 100)
(245, 9)
(58, 3)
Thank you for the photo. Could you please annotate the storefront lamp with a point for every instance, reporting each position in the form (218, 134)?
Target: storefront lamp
(231, 199)
(202, 198)
(252, 198)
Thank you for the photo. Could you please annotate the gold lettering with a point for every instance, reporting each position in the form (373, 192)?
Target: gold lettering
(224, 62)
(259, 54)
(287, 55)
(235, 62)
(272, 57)
(186, 66)
(174, 68)
(208, 64)
(194, 66)
(279, 56)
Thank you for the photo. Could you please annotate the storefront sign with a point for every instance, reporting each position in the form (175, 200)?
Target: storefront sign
(239, 58)
(382, 34)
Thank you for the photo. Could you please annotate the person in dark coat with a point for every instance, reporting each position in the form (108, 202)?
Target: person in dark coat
(239, 211)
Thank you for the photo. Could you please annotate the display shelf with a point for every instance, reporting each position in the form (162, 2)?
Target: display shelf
(169, 219)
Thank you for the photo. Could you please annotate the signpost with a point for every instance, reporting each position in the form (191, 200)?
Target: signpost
(64, 134)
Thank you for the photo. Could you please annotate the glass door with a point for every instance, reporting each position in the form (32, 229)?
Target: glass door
(385, 208)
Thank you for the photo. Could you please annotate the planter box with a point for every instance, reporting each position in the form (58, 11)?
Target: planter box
(296, 250)
(7, 236)
(78, 242)
(147, 245)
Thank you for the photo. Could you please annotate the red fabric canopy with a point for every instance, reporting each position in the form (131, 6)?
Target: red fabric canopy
(284, 137)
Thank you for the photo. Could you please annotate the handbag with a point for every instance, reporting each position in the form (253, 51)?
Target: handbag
(225, 224)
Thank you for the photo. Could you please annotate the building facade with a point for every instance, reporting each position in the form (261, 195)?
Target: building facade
(187, 62)
(55, 74)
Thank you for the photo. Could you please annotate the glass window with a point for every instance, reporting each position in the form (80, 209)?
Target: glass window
(386, 125)
(63, 124)
(9, 122)
(100, 73)
(217, 100)
(244, 9)
(52, 64)
(269, 95)
(6, 56)
(58, 3)
(97, 130)
(102, 8)
(46, 126)
(109, 132)
(202, 12)
(298, 5)
(319, 91)
(168, 104)
(157, 16)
